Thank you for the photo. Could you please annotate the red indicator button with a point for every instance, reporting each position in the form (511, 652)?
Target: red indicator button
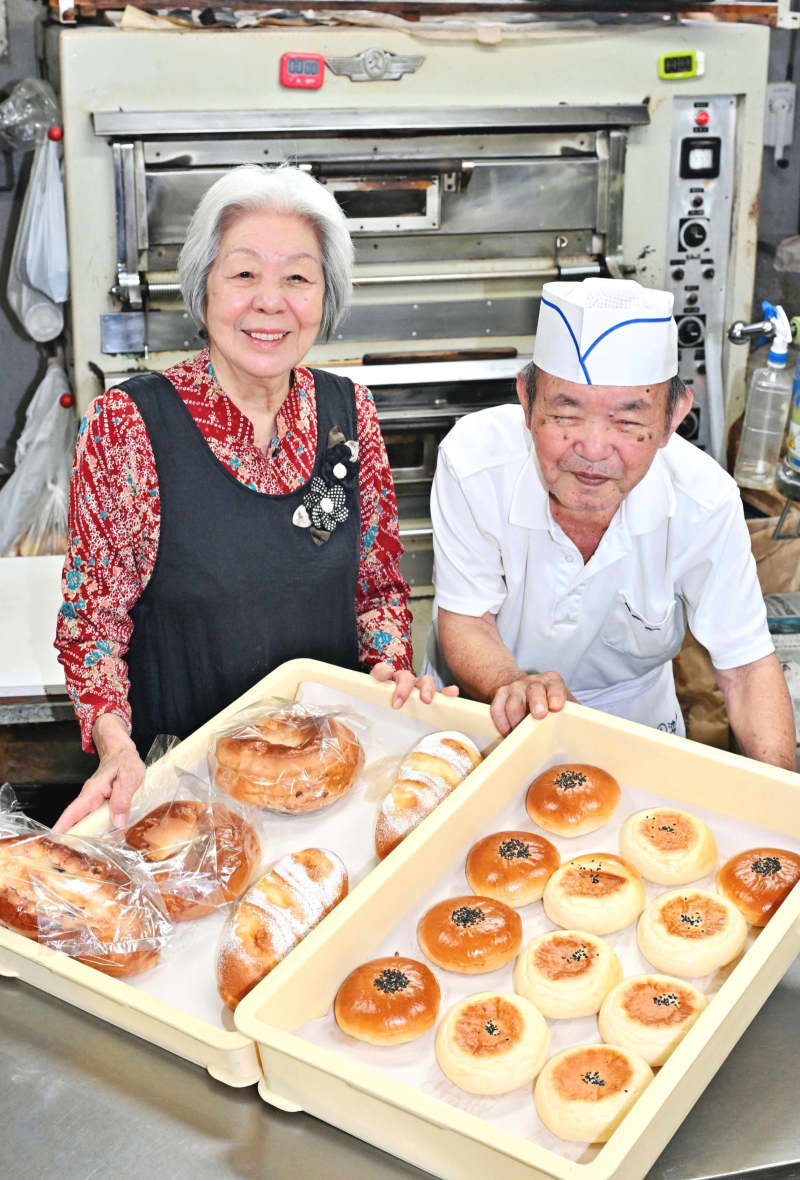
(701, 118)
(303, 71)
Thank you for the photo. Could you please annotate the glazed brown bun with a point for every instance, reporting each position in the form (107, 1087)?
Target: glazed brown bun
(567, 973)
(668, 846)
(597, 892)
(470, 934)
(572, 799)
(691, 932)
(388, 1001)
(79, 904)
(211, 853)
(650, 1015)
(289, 762)
(758, 880)
(436, 766)
(274, 916)
(492, 1043)
(585, 1092)
(512, 867)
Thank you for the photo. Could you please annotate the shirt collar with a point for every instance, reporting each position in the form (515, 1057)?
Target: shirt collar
(643, 510)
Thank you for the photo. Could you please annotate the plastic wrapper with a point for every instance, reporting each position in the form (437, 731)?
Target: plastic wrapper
(34, 501)
(288, 757)
(85, 898)
(201, 849)
(28, 113)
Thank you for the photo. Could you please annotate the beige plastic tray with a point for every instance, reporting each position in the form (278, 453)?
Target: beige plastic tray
(228, 1054)
(432, 1134)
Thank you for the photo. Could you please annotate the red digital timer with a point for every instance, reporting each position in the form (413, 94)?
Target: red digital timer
(303, 70)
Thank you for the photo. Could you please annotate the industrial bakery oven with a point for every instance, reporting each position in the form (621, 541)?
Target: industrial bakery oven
(470, 174)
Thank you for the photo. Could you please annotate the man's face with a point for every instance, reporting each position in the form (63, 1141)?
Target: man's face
(596, 442)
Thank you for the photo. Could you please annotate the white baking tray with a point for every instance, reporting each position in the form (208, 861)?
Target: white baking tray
(308, 1064)
(176, 1004)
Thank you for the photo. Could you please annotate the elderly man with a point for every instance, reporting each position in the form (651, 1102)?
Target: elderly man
(580, 534)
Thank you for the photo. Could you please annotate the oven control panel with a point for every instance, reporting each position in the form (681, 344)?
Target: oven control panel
(698, 244)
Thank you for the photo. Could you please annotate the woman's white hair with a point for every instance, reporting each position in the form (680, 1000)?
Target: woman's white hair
(284, 190)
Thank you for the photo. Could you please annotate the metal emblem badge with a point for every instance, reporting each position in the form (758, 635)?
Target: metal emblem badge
(374, 65)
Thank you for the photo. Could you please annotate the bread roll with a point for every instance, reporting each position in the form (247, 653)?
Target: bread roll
(649, 1015)
(758, 880)
(87, 907)
(288, 761)
(208, 854)
(572, 799)
(470, 934)
(512, 867)
(691, 933)
(585, 1092)
(597, 892)
(492, 1043)
(274, 916)
(436, 765)
(388, 1001)
(566, 973)
(668, 846)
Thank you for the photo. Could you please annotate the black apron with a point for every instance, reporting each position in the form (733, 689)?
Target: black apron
(238, 587)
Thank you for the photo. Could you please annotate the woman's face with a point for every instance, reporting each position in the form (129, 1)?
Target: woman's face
(264, 298)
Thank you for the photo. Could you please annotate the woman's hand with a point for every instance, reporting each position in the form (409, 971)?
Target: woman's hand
(117, 778)
(405, 681)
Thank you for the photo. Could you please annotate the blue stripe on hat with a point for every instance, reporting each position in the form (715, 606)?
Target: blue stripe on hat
(623, 324)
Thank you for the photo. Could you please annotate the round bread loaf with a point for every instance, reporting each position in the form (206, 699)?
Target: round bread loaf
(691, 933)
(512, 867)
(208, 853)
(758, 880)
(572, 799)
(436, 766)
(566, 973)
(86, 907)
(275, 914)
(289, 762)
(470, 934)
(668, 846)
(388, 1001)
(649, 1015)
(492, 1042)
(585, 1092)
(597, 892)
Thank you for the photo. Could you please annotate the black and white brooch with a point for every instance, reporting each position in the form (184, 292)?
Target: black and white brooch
(324, 505)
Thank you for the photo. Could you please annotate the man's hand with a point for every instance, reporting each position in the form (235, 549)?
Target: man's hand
(538, 694)
(406, 681)
(117, 778)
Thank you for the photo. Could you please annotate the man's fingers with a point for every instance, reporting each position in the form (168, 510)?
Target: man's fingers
(498, 711)
(556, 691)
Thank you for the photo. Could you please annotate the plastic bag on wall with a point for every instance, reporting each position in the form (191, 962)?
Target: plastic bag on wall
(34, 501)
(38, 278)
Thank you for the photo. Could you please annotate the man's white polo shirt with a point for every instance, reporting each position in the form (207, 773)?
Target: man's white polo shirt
(676, 551)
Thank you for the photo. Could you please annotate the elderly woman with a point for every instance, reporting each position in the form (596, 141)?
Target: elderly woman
(238, 510)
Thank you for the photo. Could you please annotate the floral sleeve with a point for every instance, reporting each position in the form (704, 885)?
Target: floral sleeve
(382, 615)
(114, 513)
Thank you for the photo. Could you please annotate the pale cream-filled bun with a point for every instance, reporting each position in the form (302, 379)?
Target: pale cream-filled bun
(668, 846)
(649, 1015)
(492, 1042)
(691, 932)
(758, 880)
(388, 1001)
(585, 1092)
(566, 973)
(513, 867)
(572, 799)
(598, 892)
(470, 934)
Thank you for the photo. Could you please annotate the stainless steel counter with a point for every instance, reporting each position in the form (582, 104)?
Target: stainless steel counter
(80, 1100)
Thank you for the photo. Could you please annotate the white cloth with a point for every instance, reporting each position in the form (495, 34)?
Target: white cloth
(606, 332)
(677, 550)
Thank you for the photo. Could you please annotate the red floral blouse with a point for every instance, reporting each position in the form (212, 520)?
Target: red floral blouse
(114, 515)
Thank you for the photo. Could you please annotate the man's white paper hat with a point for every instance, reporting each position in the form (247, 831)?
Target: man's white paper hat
(606, 332)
